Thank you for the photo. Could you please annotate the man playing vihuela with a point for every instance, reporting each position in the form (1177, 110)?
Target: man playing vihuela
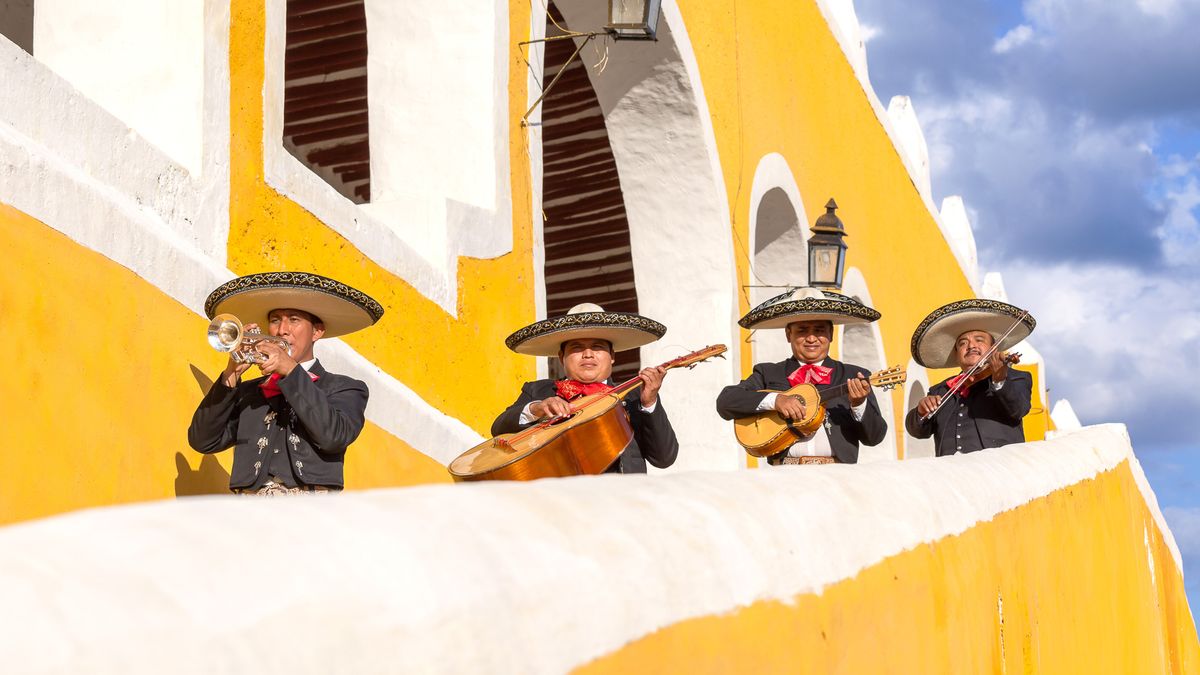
(988, 413)
(586, 341)
(807, 317)
(290, 428)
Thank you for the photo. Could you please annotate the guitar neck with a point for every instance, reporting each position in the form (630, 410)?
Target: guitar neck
(635, 382)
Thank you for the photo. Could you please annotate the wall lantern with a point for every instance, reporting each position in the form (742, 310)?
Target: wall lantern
(627, 20)
(826, 250)
(633, 19)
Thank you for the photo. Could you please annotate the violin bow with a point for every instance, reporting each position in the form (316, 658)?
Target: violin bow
(978, 364)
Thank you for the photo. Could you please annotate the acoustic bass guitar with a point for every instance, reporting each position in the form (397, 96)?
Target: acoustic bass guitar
(768, 433)
(585, 441)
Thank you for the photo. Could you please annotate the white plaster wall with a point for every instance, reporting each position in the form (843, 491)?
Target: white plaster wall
(912, 140)
(1064, 416)
(916, 387)
(662, 141)
(863, 346)
(142, 60)
(495, 577)
(437, 79)
(956, 227)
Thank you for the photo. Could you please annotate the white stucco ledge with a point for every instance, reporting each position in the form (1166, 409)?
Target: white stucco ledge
(494, 577)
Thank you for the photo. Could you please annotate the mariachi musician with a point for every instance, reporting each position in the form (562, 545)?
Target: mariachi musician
(986, 411)
(807, 317)
(289, 428)
(585, 340)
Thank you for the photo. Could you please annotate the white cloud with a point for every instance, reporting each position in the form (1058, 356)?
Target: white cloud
(1119, 343)
(1159, 8)
(1013, 39)
(868, 32)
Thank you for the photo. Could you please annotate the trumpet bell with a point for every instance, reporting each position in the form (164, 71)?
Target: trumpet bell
(225, 333)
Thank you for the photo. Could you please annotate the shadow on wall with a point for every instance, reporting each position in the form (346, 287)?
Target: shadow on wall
(210, 478)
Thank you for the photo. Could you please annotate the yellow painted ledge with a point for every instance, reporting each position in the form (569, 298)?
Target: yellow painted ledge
(104, 371)
(1079, 594)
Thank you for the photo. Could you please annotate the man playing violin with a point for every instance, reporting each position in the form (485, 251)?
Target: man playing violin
(989, 404)
(585, 341)
(807, 316)
(289, 429)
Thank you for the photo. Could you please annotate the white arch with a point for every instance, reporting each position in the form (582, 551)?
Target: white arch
(863, 346)
(775, 197)
(915, 387)
(662, 139)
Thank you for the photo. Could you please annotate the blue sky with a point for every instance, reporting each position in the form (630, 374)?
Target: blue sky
(1071, 128)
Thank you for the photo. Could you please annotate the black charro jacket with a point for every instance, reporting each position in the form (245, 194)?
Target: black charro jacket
(986, 418)
(311, 422)
(653, 438)
(845, 433)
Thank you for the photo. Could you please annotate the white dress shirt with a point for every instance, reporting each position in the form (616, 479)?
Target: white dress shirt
(816, 445)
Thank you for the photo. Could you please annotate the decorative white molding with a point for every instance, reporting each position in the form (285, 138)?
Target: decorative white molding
(956, 228)
(912, 141)
(430, 211)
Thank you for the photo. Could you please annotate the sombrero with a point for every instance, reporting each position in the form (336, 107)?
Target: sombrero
(250, 298)
(808, 304)
(585, 321)
(933, 341)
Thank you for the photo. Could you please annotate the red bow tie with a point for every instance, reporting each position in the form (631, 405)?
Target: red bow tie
(810, 373)
(270, 387)
(953, 382)
(569, 389)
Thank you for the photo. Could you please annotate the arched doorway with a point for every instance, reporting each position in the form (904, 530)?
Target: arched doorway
(586, 230)
(862, 345)
(779, 246)
(675, 204)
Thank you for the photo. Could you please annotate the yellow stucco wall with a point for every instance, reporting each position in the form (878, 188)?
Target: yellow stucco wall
(104, 373)
(1080, 593)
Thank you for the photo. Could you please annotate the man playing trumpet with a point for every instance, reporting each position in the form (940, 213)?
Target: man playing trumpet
(291, 427)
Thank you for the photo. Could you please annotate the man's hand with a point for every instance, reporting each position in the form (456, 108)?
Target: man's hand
(651, 382)
(790, 407)
(551, 407)
(278, 360)
(999, 367)
(927, 404)
(233, 370)
(858, 389)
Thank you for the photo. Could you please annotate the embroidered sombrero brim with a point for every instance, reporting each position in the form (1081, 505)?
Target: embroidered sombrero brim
(623, 330)
(341, 308)
(807, 304)
(933, 341)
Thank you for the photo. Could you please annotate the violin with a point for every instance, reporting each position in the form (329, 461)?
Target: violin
(975, 376)
(982, 370)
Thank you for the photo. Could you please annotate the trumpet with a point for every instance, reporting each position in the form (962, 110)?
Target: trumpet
(226, 334)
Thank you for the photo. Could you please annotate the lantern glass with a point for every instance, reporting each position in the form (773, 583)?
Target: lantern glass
(825, 263)
(633, 19)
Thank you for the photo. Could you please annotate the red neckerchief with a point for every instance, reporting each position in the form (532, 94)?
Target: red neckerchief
(270, 386)
(810, 373)
(569, 389)
(953, 382)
